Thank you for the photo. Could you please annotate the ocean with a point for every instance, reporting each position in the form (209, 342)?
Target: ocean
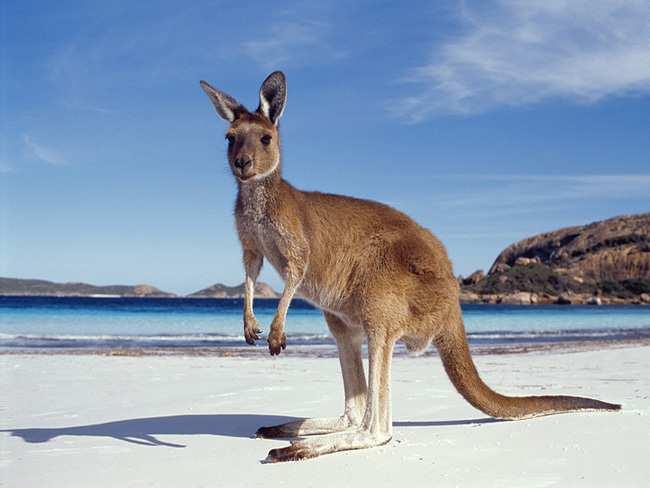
(96, 323)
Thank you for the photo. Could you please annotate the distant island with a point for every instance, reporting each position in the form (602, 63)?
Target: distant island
(28, 287)
(21, 287)
(605, 262)
(219, 290)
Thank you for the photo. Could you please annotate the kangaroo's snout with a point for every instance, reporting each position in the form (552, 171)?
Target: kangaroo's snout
(243, 167)
(243, 163)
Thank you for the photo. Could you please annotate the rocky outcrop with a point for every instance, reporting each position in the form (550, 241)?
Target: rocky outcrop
(615, 250)
(602, 262)
(519, 298)
(24, 287)
(472, 279)
(219, 290)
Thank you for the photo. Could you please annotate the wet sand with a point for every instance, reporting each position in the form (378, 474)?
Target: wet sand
(327, 351)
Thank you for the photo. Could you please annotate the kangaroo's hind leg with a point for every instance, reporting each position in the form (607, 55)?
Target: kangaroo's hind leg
(349, 341)
(376, 427)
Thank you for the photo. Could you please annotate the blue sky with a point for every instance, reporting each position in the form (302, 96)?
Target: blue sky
(485, 121)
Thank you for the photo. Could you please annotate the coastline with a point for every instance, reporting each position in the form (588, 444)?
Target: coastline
(467, 297)
(260, 351)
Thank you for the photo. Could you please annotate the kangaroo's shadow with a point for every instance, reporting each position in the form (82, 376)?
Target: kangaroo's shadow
(143, 430)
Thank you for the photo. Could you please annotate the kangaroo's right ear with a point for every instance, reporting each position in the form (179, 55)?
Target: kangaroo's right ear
(227, 107)
(273, 96)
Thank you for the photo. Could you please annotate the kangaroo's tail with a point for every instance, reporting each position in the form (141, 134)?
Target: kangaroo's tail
(456, 358)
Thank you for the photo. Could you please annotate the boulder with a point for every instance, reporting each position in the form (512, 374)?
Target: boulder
(469, 297)
(524, 261)
(520, 298)
(594, 301)
(491, 299)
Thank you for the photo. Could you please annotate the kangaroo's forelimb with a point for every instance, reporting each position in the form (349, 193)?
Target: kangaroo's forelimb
(252, 265)
(293, 273)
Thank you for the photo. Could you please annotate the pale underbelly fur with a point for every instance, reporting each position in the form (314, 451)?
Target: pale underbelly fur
(327, 298)
(330, 299)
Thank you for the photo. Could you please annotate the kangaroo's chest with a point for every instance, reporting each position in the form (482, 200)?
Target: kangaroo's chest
(263, 232)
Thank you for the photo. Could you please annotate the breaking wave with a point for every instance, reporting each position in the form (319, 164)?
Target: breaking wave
(217, 340)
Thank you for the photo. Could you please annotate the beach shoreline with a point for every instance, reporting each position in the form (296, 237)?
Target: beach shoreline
(169, 421)
(259, 351)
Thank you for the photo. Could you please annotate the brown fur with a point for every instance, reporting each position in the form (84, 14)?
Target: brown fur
(375, 273)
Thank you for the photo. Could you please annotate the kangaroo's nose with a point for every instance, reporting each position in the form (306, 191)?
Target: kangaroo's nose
(243, 163)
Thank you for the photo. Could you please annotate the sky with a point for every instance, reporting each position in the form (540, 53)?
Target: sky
(485, 121)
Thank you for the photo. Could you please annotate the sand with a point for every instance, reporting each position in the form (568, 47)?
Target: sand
(183, 421)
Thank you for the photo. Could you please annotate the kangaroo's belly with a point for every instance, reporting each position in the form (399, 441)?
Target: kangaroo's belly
(327, 275)
(323, 290)
(323, 297)
(329, 282)
(273, 255)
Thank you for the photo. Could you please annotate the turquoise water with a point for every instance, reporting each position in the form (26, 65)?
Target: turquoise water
(106, 322)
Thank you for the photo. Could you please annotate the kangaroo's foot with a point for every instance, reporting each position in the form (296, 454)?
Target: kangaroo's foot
(313, 447)
(306, 427)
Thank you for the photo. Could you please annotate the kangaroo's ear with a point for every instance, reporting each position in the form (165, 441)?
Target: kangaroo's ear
(227, 107)
(273, 96)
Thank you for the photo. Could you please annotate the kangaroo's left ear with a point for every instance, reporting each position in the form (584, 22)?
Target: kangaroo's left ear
(227, 107)
(273, 96)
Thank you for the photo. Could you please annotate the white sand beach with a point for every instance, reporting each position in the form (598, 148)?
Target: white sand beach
(187, 421)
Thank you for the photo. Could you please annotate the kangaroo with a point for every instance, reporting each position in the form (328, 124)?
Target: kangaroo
(374, 272)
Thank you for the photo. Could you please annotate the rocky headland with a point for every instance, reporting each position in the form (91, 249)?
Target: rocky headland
(605, 262)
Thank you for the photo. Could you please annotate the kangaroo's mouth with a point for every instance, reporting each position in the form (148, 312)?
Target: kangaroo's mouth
(245, 177)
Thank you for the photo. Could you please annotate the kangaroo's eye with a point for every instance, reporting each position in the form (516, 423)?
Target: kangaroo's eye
(230, 138)
(266, 139)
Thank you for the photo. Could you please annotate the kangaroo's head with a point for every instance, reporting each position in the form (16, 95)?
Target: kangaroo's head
(253, 137)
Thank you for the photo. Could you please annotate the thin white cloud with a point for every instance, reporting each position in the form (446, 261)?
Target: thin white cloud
(516, 193)
(94, 68)
(515, 52)
(43, 153)
(87, 108)
(291, 43)
(493, 196)
(5, 168)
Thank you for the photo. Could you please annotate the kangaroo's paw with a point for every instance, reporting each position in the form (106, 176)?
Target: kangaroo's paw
(252, 330)
(277, 342)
